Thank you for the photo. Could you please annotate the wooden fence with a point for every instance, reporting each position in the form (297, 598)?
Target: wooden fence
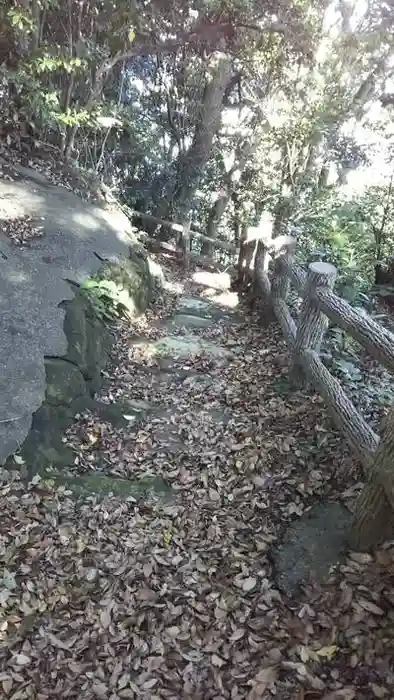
(374, 515)
(184, 234)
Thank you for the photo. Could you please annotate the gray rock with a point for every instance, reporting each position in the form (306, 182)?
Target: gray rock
(89, 340)
(65, 382)
(35, 283)
(185, 321)
(101, 486)
(120, 414)
(182, 347)
(204, 308)
(311, 546)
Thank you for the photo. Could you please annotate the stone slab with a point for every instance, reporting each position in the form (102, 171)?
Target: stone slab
(312, 545)
(102, 486)
(186, 321)
(182, 347)
(203, 308)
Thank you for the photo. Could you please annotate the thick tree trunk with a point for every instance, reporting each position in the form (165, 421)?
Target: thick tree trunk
(191, 164)
(243, 151)
(214, 218)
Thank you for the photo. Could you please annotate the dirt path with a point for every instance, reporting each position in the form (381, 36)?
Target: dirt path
(174, 594)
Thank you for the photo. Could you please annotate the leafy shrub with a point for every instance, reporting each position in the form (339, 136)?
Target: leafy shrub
(109, 302)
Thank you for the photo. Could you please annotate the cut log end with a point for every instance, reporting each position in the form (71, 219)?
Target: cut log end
(322, 268)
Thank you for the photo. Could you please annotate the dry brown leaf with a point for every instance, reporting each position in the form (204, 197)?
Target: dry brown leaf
(105, 618)
(344, 694)
(7, 684)
(21, 660)
(249, 584)
(217, 661)
(100, 691)
(261, 682)
(379, 691)
(370, 607)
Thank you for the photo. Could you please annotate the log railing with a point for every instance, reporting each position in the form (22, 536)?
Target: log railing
(184, 234)
(374, 513)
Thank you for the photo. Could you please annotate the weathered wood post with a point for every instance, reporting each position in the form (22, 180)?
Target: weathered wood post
(312, 324)
(261, 286)
(185, 243)
(282, 249)
(241, 256)
(374, 514)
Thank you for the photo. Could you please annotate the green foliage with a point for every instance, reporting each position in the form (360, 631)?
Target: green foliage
(20, 20)
(109, 302)
(336, 231)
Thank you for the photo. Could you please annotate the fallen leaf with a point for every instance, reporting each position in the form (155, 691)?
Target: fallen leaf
(327, 652)
(105, 619)
(21, 659)
(371, 607)
(344, 694)
(249, 584)
(217, 661)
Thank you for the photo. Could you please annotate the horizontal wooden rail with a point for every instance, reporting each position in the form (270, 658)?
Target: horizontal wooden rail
(378, 341)
(296, 274)
(375, 507)
(358, 433)
(286, 322)
(156, 246)
(178, 228)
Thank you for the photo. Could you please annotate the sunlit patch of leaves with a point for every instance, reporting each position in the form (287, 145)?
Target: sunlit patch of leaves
(22, 229)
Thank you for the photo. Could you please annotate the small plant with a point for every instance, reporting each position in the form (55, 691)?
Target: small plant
(109, 301)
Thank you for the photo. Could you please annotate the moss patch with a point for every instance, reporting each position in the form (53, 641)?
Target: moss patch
(103, 486)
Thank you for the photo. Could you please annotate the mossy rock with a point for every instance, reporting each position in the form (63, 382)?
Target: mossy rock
(103, 486)
(72, 381)
(120, 414)
(132, 276)
(64, 382)
(89, 339)
(44, 446)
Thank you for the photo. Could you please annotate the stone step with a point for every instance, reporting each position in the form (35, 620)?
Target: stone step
(102, 486)
(312, 544)
(222, 308)
(182, 347)
(185, 321)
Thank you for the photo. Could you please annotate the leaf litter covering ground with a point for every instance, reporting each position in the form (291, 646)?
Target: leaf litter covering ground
(121, 599)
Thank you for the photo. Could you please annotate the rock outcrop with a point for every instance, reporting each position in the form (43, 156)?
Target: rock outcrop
(52, 344)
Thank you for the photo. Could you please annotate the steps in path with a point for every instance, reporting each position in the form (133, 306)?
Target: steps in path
(181, 343)
(311, 544)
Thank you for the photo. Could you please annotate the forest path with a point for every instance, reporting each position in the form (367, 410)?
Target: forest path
(171, 592)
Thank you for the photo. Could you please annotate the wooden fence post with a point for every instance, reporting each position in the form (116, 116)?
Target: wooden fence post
(241, 256)
(261, 286)
(312, 323)
(185, 243)
(281, 252)
(374, 516)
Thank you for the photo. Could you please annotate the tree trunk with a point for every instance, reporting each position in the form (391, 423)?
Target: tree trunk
(243, 152)
(214, 218)
(191, 164)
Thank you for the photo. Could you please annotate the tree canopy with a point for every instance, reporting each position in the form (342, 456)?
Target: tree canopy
(218, 112)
